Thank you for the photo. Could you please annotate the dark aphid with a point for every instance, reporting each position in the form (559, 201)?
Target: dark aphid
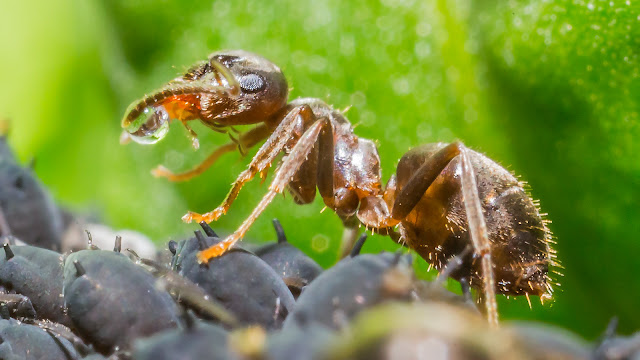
(202, 341)
(424, 331)
(306, 342)
(613, 347)
(20, 341)
(442, 198)
(351, 286)
(246, 285)
(296, 269)
(27, 207)
(37, 274)
(189, 295)
(549, 342)
(16, 306)
(113, 301)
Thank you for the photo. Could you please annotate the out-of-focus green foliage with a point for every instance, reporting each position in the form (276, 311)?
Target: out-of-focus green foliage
(550, 89)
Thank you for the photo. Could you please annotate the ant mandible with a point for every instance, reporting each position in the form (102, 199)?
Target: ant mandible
(443, 197)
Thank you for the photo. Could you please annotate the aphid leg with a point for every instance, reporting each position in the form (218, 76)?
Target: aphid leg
(260, 162)
(479, 235)
(248, 139)
(290, 165)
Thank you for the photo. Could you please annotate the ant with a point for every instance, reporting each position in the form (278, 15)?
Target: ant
(442, 198)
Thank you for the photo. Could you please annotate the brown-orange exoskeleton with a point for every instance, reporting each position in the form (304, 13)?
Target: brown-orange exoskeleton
(443, 197)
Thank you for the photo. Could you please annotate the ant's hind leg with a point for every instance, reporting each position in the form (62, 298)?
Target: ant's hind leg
(479, 235)
(260, 162)
(418, 184)
(290, 165)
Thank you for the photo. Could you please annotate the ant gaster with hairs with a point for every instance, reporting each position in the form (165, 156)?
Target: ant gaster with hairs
(442, 198)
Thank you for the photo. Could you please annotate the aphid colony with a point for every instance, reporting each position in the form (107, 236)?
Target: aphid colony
(441, 199)
(271, 302)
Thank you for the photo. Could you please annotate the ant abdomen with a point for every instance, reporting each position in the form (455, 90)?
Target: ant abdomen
(437, 227)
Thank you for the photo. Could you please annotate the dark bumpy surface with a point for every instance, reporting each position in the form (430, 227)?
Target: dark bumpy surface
(27, 342)
(203, 341)
(115, 301)
(37, 274)
(350, 286)
(27, 206)
(241, 281)
(296, 269)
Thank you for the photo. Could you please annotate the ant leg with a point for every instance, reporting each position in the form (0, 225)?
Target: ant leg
(479, 235)
(248, 139)
(260, 162)
(161, 171)
(418, 184)
(290, 165)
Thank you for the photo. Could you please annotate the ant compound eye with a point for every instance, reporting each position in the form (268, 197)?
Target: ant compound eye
(251, 83)
(150, 126)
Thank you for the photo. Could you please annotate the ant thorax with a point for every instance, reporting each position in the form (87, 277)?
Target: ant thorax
(437, 227)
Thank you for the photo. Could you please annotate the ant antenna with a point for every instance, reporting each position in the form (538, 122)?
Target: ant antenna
(164, 93)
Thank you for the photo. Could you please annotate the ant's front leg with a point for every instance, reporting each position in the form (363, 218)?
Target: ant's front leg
(261, 161)
(290, 166)
(247, 140)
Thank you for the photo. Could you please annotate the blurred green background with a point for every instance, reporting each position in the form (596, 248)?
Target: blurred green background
(549, 89)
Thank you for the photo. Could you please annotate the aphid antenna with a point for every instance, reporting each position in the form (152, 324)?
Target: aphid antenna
(207, 229)
(79, 268)
(117, 247)
(8, 252)
(188, 319)
(202, 242)
(90, 245)
(56, 339)
(355, 251)
(5, 230)
(282, 238)
(173, 246)
(452, 265)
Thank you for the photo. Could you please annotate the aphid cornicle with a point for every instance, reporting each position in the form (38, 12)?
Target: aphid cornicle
(443, 197)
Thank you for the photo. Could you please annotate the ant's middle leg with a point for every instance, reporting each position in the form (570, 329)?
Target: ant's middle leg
(289, 167)
(247, 140)
(260, 162)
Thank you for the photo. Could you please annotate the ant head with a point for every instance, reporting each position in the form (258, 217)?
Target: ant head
(232, 88)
